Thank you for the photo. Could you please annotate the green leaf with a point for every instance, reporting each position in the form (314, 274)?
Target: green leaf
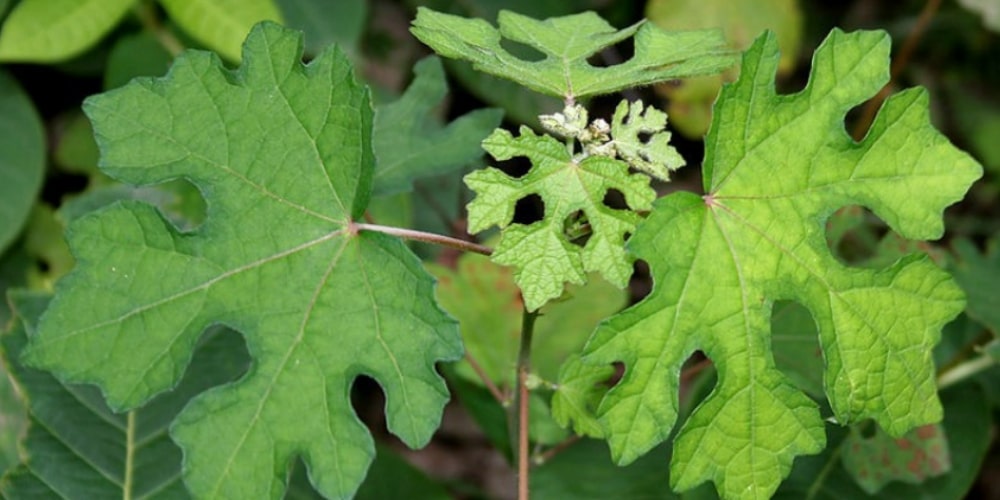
(45, 31)
(409, 141)
(76, 447)
(325, 23)
(567, 42)
(775, 168)
(653, 155)
(912, 458)
(541, 254)
(283, 155)
(220, 24)
(22, 158)
(578, 394)
(978, 275)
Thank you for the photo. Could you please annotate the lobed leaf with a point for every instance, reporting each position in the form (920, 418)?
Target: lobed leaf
(776, 167)
(543, 257)
(282, 153)
(566, 42)
(653, 155)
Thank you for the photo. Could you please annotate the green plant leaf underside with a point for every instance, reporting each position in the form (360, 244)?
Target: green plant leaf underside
(76, 447)
(282, 153)
(566, 42)
(776, 167)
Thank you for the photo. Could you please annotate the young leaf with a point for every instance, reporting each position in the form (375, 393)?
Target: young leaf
(775, 168)
(543, 257)
(220, 24)
(283, 154)
(409, 143)
(567, 42)
(76, 447)
(654, 155)
(22, 158)
(44, 31)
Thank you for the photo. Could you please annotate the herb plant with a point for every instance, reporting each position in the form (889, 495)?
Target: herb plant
(291, 160)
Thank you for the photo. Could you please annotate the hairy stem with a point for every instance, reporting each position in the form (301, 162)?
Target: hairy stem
(437, 239)
(521, 406)
(548, 454)
(147, 17)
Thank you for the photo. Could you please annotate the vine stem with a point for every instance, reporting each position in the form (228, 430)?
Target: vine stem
(900, 61)
(965, 370)
(129, 456)
(147, 17)
(523, 369)
(437, 239)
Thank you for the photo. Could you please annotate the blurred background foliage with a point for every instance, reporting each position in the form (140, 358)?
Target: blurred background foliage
(54, 53)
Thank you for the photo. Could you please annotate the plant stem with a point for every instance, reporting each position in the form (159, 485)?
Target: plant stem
(547, 455)
(521, 398)
(437, 239)
(147, 17)
(129, 456)
(494, 390)
(965, 370)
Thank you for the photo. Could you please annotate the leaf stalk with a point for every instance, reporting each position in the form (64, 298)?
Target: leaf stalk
(437, 239)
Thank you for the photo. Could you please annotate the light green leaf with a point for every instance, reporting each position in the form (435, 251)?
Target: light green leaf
(654, 155)
(573, 192)
(220, 24)
(22, 158)
(409, 141)
(325, 23)
(283, 155)
(567, 42)
(775, 168)
(578, 395)
(56, 30)
(76, 447)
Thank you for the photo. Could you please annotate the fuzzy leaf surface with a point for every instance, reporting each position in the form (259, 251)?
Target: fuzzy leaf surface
(566, 42)
(543, 257)
(282, 153)
(654, 155)
(776, 167)
(411, 143)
